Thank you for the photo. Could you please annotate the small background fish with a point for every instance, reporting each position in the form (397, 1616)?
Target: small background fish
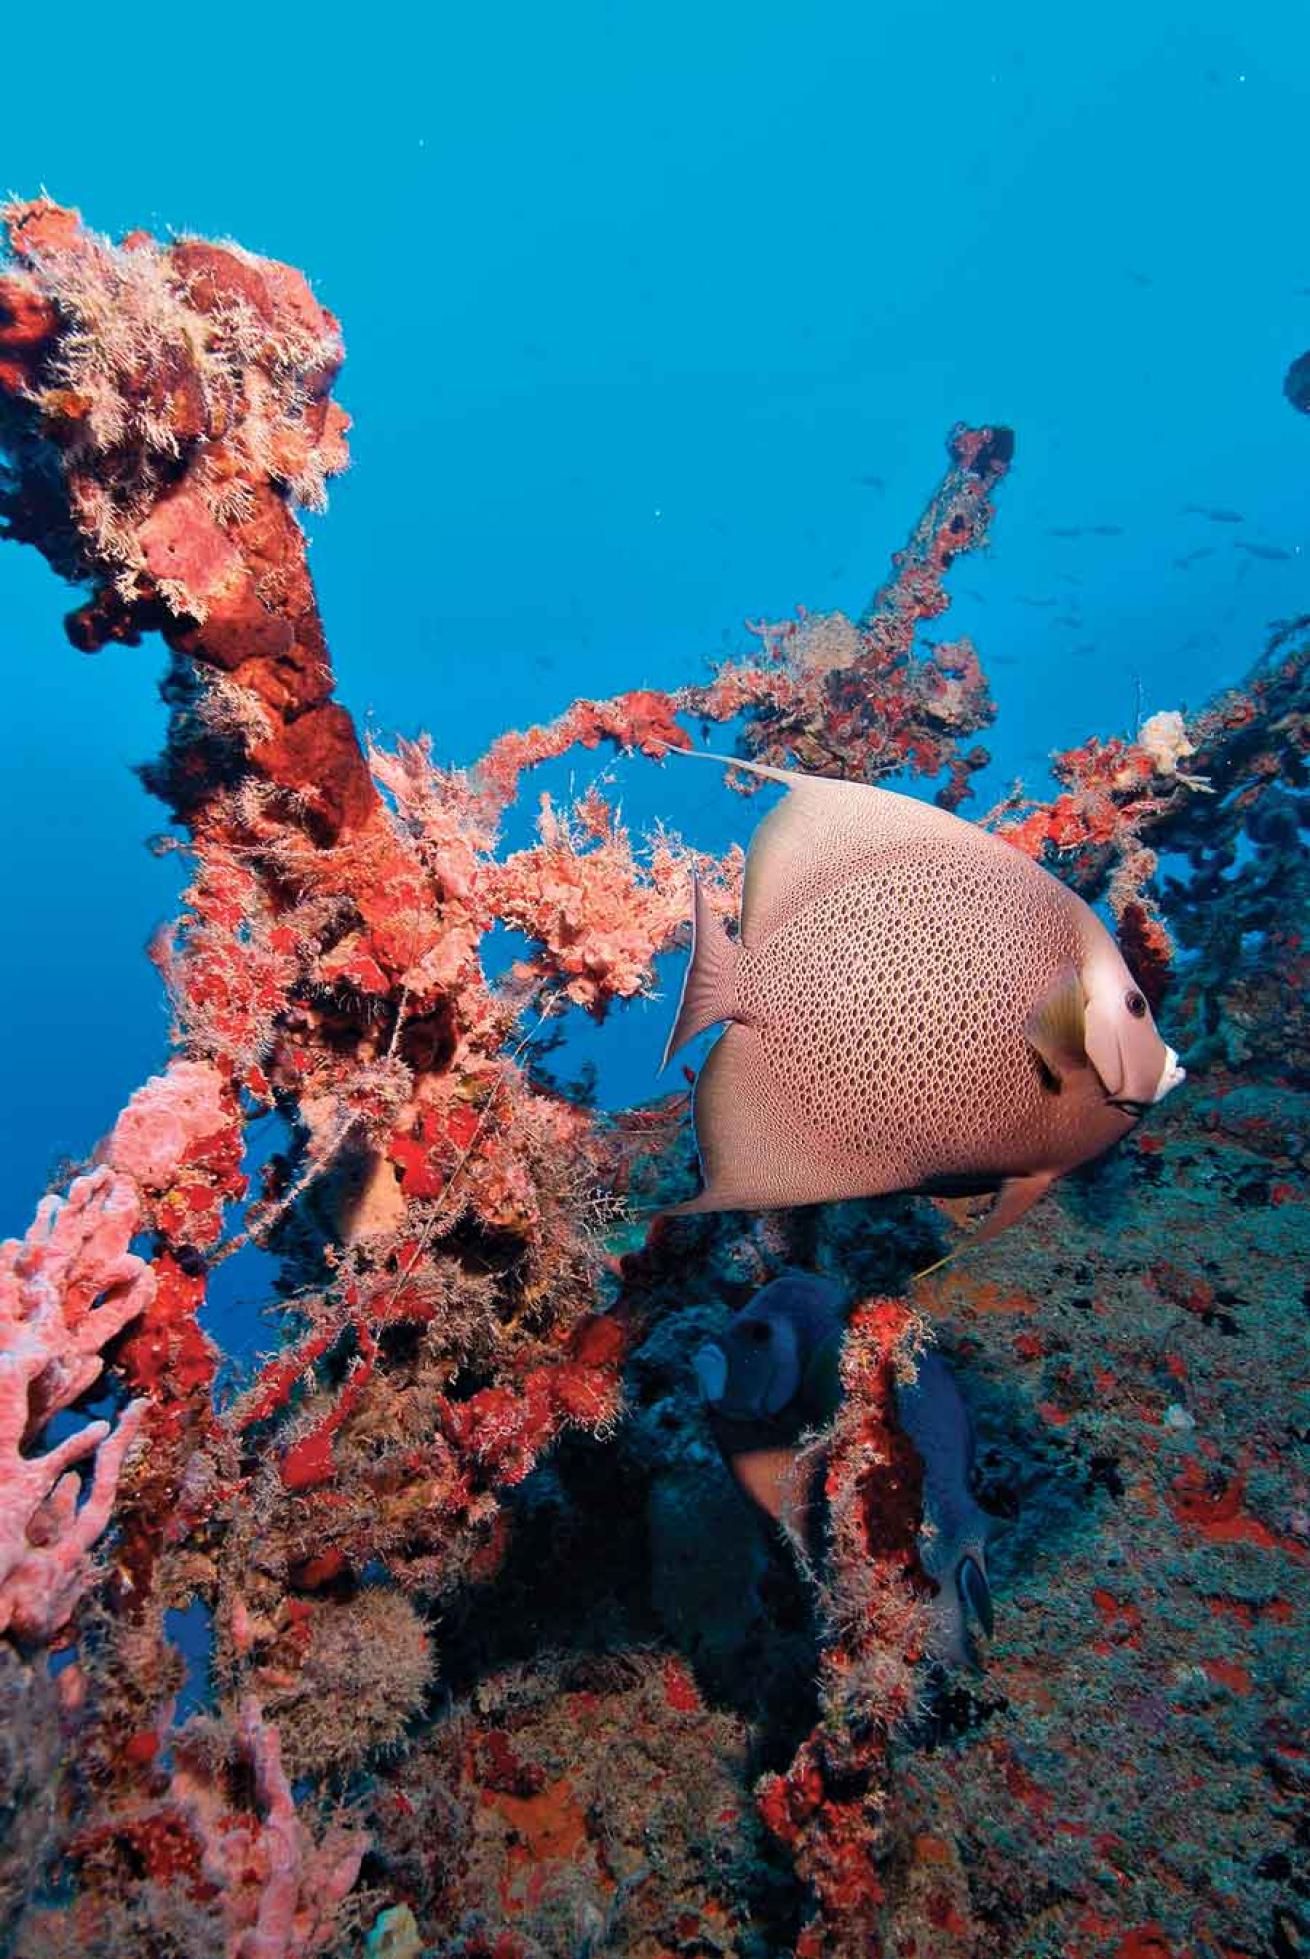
(953, 1547)
(774, 1379)
(775, 1376)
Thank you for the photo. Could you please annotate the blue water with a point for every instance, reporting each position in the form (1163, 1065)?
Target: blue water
(657, 318)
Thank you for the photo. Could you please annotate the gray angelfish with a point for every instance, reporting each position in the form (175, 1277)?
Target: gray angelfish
(911, 1004)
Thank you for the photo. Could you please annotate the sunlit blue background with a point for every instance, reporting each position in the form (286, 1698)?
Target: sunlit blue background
(657, 318)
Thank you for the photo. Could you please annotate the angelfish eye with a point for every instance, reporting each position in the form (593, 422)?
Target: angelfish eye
(1135, 1004)
(758, 1331)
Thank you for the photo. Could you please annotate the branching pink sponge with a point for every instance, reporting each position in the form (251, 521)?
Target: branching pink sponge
(279, 1888)
(66, 1290)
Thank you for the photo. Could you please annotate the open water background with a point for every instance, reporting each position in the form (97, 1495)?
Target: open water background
(657, 317)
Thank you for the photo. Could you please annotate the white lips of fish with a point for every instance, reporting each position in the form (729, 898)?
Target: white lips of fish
(1171, 1074)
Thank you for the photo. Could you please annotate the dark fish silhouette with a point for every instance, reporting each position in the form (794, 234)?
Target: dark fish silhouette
(775, 1378)
(1215, 513)
(931, 1410)
(1296, 383)
(1273, 552)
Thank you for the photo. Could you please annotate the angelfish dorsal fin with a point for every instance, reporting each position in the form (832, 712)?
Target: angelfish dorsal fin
(1056, 1029)
(826, 831)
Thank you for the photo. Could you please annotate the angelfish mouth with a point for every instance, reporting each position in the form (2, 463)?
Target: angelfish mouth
(1171, 1074)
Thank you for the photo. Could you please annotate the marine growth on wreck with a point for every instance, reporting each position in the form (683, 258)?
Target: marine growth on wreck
(458, 1622)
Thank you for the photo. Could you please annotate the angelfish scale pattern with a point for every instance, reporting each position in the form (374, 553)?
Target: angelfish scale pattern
(891, 1009)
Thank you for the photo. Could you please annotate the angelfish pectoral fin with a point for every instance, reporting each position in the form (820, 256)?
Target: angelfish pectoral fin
(1056, 1029)
(976, 1593)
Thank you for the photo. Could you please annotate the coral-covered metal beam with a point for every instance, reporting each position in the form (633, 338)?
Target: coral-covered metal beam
(829, 1807)
(824, 692)
(166, 404)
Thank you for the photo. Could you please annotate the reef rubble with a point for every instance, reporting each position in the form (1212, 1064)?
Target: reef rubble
(442, 1629)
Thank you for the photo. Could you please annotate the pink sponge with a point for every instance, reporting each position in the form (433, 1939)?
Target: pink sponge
(163, 1119)
(66, 1290)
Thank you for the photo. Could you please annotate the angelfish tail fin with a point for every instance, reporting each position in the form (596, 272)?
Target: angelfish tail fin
(709, 991)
